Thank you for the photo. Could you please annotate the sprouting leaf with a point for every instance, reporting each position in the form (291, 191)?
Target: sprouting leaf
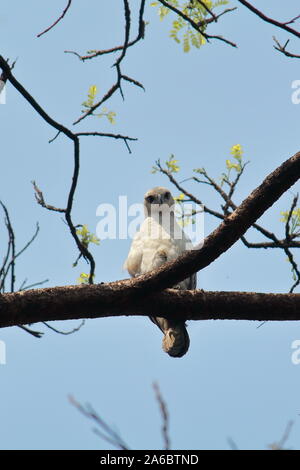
(237, 152)
(231, 165)
(201, 171)
(294, 219)
(179, 198)
(172, 165)
(83, 278)
(110, 115)
(186, 42)
(86, 236)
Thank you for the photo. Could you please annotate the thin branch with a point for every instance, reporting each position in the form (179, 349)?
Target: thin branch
(36, 334)
(6, 266)
(90, 111)
(287, 225)
(125, 138)
(264, 17)
(17, 85)
(141, 33)
(295, 269)
(70, 332)
(165, 416)
(195, 25)
(282, 49)
(190, 196)
(34, 284)
(81, 247)
(41, 201)
(104, 430)
(117, 64)
(57, 21)
(127, 32)
(279, 445)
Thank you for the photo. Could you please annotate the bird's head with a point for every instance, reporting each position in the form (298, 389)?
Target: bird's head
(158, 200)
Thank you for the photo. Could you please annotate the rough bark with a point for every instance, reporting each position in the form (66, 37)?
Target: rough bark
(114, 299)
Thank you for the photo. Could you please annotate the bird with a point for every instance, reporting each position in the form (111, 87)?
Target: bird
(160, 239)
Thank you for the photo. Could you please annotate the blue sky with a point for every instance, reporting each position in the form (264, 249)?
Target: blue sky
(236, 381)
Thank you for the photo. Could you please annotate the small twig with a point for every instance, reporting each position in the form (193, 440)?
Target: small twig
(279, 445)
(196, 26)
(282, 49)
(40, 199)
(188, 194)
(127, 32)
(103, 430)
(295, 269)
(90, 111)
(114, 136)
(70, 332)
(36, 334)
(232, 444)
(287, 225)
(30, 286)
(164, 414)
(53, 139)
(292, 20)
(141, 33)
(270, 20)
(57, 21)
(132, 80)
(216, 17)
(12, 246)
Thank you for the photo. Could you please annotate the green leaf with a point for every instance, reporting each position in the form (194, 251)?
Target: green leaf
(172, 165)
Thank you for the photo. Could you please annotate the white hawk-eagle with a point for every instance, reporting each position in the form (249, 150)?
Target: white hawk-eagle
(161, 239)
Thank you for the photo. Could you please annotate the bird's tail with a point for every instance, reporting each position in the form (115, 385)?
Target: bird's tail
(176, 340)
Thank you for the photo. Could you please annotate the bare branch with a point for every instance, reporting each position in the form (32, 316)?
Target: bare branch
(98, 53)
(264, 17)
(59, 127)
(103, 430)
(165, 416)
(40, 199)
(106, 134)
(282, 49)
(57, 21)
(70, 332)
(279, 445)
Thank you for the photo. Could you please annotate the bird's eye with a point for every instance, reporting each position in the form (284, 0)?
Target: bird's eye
(167, 195)
(150, 199)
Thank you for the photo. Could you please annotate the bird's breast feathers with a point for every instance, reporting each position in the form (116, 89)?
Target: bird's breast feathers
(155, 244)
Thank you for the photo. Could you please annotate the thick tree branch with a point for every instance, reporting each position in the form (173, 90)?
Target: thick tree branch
(120, 298)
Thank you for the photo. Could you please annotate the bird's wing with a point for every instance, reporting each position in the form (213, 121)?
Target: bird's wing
(135, 256)
(184, 244)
